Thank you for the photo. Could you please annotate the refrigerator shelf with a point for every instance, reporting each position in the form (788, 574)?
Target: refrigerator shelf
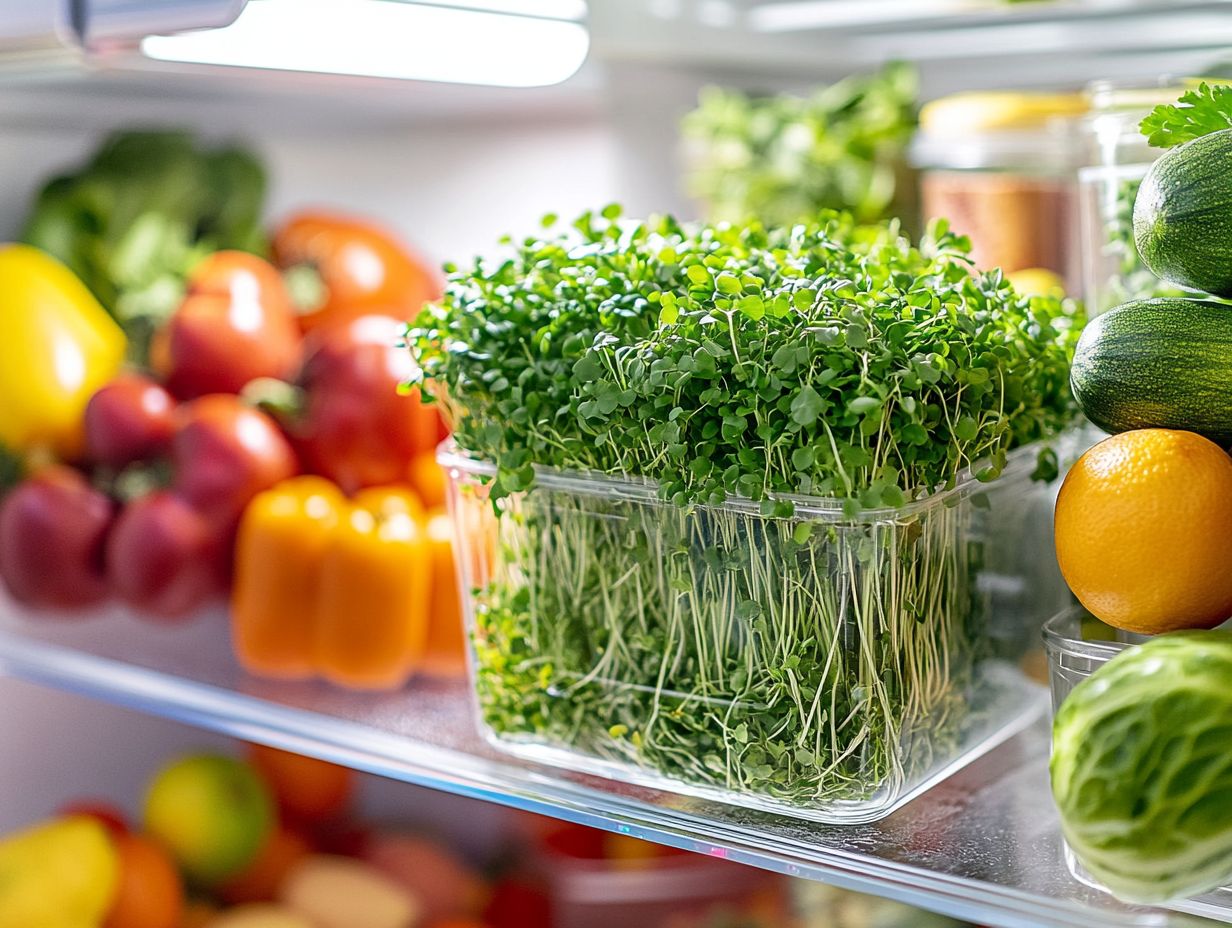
(983, 845)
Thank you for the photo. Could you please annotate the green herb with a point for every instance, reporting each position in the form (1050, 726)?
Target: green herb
(782, 158)
(728, 645)
(1197, 113)
(147, 206)
(829, 359)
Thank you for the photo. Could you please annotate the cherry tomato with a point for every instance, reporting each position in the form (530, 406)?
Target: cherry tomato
(518, 903)
(358, 428)
(130, 419)
(111, 816)
(150, 893)
(53, 528)
(306, 789)
(225, 453)
(363, 269)
(236, 324)
(165, 558)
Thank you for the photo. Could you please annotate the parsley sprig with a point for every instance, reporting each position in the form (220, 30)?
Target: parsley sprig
(1197, 113)
(828, 359)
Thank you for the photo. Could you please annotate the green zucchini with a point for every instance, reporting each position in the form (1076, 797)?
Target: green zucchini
(1163, 363)
(1183, 215)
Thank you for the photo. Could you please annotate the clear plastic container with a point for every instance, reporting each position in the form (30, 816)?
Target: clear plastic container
(1118, 159)
(1077, 645)
(825, 666)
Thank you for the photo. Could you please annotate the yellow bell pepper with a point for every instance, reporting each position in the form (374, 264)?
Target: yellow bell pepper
(57, 874)
(330, 586)
(57, 347)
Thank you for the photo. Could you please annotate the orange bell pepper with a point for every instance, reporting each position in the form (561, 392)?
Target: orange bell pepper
(445, 652)
(332, 587)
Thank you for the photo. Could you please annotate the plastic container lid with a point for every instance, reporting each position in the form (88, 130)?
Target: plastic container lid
(990, 130)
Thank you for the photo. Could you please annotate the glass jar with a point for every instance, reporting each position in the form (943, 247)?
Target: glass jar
(1117, 160)
(1001, 166)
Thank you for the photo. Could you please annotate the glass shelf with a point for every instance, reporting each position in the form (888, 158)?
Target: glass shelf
(983, 845)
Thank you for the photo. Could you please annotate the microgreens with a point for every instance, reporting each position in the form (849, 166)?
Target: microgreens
(828, 359)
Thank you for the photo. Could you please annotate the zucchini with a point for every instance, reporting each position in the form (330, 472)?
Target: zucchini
(1163, 363)
(1183, 215)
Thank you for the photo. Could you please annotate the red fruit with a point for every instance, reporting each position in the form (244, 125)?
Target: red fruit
(306, 789)
(225, 453)
(164, 557)
(110, 815)
(236, 324)
(130, 419)
(362, 267)
(150, 893)
(359, 429)
(518, 903)
(53, 528)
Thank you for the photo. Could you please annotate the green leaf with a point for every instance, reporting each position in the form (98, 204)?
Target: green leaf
(807, 406)
(1198, 112)
(698, 274)
(752, 306)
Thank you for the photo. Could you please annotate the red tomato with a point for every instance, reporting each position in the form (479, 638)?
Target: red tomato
(236, 324)
(150, 893)
(306, 789)
(358, 428)
(363, 269)
(518, 903)
(130, 419)
(111, 816)
(225, 453)
(53, 528)
(165, 558)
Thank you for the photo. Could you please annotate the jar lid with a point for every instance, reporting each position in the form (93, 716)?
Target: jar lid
(990, 111)
(1001, 130)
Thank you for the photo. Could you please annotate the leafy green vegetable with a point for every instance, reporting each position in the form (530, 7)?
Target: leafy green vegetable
(780, 159)
(141, 212)
(802, 657)
(829, 359)
(1197, 113)
(1140, 769)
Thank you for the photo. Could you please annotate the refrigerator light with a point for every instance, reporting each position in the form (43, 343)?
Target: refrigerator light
(389, 39)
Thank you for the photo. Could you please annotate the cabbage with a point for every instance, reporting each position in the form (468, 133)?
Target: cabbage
(1142, 768)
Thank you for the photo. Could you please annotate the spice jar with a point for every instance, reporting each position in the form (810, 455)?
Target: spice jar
(1001, 166)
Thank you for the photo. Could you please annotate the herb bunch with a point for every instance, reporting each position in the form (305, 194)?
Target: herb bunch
(1198, 112)
(827, 359)
(782, 158)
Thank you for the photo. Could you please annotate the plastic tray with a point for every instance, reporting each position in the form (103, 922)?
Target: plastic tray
(824, 666)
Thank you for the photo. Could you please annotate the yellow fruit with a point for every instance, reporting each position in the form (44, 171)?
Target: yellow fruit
(57, 874)
(1037, 281)
(212, 812)
(1144, 531)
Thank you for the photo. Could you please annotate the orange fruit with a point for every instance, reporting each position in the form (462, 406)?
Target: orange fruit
(150, 893)
(1143, 531)
(260, 880)
(428, 479)
(306, 789)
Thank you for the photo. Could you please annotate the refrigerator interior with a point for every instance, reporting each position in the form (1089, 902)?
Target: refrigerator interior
(452, 169)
